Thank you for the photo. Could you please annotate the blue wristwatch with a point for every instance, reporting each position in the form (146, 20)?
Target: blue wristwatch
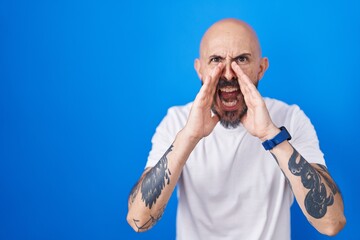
(279, 138)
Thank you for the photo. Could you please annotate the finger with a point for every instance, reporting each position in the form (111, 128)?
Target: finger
(205, 94)
(206, 80)
(215, 73)
(217, 70)
(242, 77)
(246, 85)
(214, 78)
(207, 90)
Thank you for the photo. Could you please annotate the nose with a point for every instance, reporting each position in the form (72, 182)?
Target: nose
(228, 72)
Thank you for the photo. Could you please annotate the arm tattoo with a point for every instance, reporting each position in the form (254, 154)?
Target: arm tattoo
(151, 222)
(316, 200)
(326, 175)
(154, 180)
(135, 190)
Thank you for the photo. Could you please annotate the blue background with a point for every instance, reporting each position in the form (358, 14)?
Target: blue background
(83, 85)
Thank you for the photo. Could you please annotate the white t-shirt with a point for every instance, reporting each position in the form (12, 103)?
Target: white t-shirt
(231, 188)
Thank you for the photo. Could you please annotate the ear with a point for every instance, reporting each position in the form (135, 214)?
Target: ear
(264, 65)
(197, 68)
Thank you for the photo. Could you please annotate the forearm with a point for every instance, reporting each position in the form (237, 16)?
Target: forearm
(150, 195)
(314, 190)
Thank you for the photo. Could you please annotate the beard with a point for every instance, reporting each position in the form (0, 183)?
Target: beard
(229, 119)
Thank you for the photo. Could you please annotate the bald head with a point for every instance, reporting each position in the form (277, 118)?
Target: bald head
(224, 43)
(231, 32)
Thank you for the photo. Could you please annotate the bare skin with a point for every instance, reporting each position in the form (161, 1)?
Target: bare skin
(230, 50)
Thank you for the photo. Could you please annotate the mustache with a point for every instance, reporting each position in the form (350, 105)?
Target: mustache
(223, 82)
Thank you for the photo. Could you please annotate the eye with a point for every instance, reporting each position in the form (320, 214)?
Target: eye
(242, 59)
(215, 60)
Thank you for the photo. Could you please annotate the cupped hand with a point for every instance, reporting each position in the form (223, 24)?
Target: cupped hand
(201, 120)
(257, 119)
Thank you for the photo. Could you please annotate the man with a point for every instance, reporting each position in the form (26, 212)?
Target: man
(237, 171)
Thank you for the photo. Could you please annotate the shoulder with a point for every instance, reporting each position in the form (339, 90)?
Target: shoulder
(290, 116)
(278, 105)
(179, 113)
(175, 118)
(279, 110)
(180, 110)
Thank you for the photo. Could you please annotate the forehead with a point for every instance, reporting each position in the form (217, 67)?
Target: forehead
(228, 39)
(228, 44)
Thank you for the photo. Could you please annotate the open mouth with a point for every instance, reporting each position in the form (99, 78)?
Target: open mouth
(229, 97)
(229, 103)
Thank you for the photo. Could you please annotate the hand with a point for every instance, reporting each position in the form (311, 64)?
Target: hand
(201, 121)
(257, 120)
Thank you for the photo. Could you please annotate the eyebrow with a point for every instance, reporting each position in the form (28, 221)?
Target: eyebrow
(240, 55)
(215, 56)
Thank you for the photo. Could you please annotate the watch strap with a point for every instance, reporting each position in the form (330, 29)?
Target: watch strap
(282, 136)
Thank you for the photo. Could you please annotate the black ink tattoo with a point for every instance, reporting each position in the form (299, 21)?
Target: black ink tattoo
(134, 192)
(326, 175)
(154, 180)
(316, 200)
(151, 222)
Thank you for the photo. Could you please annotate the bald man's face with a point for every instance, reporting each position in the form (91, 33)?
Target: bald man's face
(229, 43)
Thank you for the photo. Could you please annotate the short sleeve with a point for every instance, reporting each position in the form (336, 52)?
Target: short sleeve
(164, 136)
(304, 137)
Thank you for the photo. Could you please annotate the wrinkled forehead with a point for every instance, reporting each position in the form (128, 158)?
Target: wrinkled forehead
(229, 39)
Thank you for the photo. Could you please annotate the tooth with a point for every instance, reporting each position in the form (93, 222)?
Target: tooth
(229, 89)
(230, 104)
